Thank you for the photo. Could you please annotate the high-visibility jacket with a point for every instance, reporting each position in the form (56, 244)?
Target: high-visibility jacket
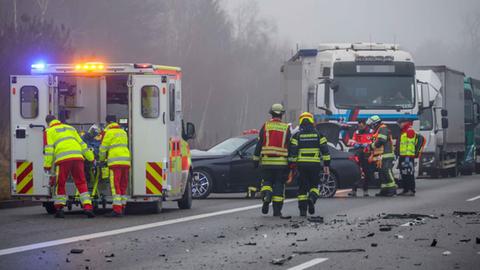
(382, 144)
(273, 142)
(362, 137)
(62, 143)
(407, 142)
(308, 147)
(114, 146)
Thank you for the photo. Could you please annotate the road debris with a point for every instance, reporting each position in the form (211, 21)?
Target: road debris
(415, 222)
(291, 233)
(221, 236)
(434, 243)
(465, 240)
(281, 261)
(315, 219)
(250, 244)
(446, 253)
(109, 260)
(110, 255)
(302, 240)
(408, 216)
(76, 251)
(477, 240)
(385, 228)
(355, 250)
(399, 236)
(374, 245)
(464, 213)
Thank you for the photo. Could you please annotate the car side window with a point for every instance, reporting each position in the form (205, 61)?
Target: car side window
(248, 152)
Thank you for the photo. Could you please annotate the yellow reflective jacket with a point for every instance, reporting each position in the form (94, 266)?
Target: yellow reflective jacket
(114, 146)
(61, 143)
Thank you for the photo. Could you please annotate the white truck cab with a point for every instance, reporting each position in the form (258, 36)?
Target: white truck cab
(147, 100)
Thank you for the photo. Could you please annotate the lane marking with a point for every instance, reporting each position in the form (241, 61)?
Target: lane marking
(473, 199)
(308, 264)
(125, 230)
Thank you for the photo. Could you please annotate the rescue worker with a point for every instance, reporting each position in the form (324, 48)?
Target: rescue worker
(306, 146)
(90, 138)
(64, 149)
(405, 151)
(382, 155)
(271, 153)
(360, 142)
(114, 150)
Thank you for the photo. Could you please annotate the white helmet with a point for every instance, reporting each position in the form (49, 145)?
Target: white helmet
(94, 130)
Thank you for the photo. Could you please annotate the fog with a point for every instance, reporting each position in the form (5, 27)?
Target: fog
(442, 32)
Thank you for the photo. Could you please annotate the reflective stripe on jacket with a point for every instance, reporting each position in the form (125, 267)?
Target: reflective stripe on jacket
(306, 147)
(114, 147)
(272, 146)
(382, 144)
(62, 142)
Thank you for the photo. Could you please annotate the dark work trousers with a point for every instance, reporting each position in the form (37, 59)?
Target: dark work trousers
(308, 180)
(367, 168)
(407, 172)
(273, 188)
(388, 185)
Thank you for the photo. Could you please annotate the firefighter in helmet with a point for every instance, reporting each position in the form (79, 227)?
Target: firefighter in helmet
(308, 148)
(271, 153)
(382, 155)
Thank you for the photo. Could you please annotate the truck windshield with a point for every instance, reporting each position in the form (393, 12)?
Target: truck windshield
(426, 119)
(375, 92)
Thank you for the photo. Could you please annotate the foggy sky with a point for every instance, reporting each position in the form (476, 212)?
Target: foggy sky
(411, 23)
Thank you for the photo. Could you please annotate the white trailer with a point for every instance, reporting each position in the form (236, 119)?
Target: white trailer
(145, 98)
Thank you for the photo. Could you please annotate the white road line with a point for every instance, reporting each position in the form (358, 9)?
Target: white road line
(125, 230)
(473, 199)
(308, 264)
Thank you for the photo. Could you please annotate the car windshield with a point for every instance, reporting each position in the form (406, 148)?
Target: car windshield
(426, 119)
(228, 146)
(374, 92)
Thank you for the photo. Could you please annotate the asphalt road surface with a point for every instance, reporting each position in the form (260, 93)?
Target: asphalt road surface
(229, 232)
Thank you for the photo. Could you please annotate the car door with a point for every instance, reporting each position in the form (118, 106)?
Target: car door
(243, 172)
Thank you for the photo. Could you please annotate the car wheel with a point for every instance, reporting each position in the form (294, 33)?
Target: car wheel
(202, 184)
(327, 185)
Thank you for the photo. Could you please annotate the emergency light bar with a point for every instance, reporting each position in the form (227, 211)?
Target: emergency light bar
(89, 68)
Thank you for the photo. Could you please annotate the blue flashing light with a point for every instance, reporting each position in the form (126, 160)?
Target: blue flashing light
(39, 66)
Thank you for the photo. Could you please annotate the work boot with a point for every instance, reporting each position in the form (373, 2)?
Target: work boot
(265, 207)
(302, 206)
(89, 213)
(114, 214)
(311, 207)
(277, 209)
(60, 213)
(352, 194)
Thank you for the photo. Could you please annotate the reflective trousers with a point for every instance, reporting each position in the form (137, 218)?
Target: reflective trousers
(273, 188)
(119, 184)
(308, 180)
(387, 181)
(76, 169)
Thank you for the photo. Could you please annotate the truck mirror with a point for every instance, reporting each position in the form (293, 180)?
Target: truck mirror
(321, 93)
(334, 85)
(444, 113)
(425, 91)
(190, 131)
(444, 123)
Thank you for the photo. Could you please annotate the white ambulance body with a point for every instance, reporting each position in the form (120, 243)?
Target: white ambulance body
(145, 98)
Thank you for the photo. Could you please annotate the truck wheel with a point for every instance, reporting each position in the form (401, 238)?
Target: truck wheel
(49, 207)
(186, 201)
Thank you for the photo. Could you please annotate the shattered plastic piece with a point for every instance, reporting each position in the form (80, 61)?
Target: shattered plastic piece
(67, 260)
(109, 260)
(464, 213)
(110, 256)
(250, 244)
(302, 240)
(330, 251)
(370, 234)
(76, 251)
(221, 236)
(374, 245)
(281, 261)
(291, 233)
(316, 219)
(465, 240)
(477, 240)
(434, 243)
(385, 229)
(446, 253)
(399, 236)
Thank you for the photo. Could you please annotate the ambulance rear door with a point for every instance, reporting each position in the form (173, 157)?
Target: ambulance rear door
(148, 132)
(29, 105)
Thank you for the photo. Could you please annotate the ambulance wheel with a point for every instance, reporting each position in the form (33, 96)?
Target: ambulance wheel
(49, 207)
(186, 201)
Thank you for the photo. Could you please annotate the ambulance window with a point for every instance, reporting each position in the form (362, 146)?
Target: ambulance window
(171, 94)
(29, 102)
(150, 101)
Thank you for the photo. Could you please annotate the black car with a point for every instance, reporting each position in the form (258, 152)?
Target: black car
(228, 168)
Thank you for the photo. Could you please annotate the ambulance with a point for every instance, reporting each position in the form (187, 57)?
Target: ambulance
(147, 101)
